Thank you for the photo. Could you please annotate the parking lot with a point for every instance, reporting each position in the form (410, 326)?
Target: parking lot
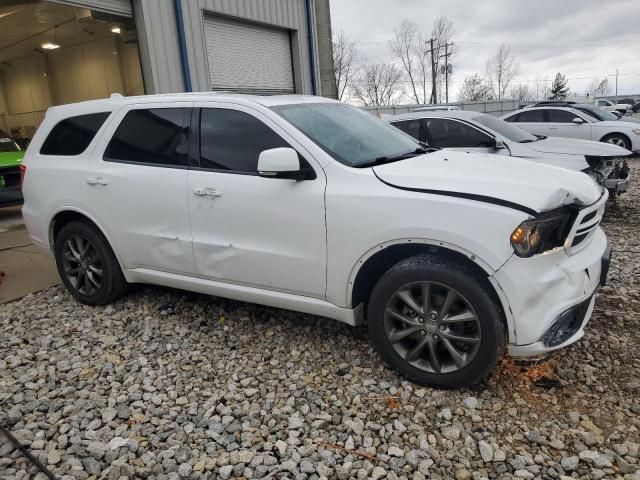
(168, 384)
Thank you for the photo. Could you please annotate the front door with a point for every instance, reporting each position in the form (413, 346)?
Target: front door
(453, 134)
(561, 125)
(249, 230)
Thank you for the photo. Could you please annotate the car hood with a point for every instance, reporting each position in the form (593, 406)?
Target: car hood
(528, 186)
(580, 147)
(634, 120)
(616, 124)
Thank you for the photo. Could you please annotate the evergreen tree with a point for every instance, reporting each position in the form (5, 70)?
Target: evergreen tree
(559, 88)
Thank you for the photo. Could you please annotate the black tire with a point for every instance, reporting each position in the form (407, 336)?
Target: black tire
(464, 281)
(112, 285)
(617, 139)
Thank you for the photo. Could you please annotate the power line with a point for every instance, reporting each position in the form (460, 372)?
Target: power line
(549, 45)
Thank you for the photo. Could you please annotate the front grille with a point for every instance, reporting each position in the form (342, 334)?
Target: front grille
(585, 225)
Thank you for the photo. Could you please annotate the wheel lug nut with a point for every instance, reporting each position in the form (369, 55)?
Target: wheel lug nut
(435, 337)
(422, 332)
(442, 328)
(432, 316)
(421, 320)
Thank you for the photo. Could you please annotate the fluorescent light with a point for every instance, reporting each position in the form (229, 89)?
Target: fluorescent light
(50, 46)
(115, 29)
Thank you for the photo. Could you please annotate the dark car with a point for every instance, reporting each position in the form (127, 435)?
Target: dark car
(10, 159)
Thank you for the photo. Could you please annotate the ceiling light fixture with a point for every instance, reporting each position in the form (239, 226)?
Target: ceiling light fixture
(50, 46)
(115, 30)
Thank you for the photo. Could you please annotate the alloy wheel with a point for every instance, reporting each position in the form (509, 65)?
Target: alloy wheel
(432, 326)
(616, 141)
(82, 265)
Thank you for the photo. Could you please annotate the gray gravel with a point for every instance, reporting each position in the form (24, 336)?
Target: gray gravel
(171, 385)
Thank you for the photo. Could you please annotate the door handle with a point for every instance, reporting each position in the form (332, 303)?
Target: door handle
(96, 181)
(207, 192)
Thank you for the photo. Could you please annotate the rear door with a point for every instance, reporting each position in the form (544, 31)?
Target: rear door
(138, 188)
(453, 134)
(561, 125)
(532, 121)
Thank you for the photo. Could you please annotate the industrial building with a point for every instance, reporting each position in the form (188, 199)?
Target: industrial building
(63, 51)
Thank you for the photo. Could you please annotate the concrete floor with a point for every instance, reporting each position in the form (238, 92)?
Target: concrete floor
(23, 267)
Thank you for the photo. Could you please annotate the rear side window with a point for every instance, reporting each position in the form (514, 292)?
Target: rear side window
(157, 137)
(233, 140)
(73, 135)
(445, 133)
(410, 127)
(561, 116)
(535, 115)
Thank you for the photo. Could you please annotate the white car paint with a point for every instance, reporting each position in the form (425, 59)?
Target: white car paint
(612, 107)
(560, 152)
(300, 244)
(589, 129)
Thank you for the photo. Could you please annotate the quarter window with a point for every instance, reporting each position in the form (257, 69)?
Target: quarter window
(73, 135)
(561, 116)
(157, 136)
(444, 133)
(233, 140)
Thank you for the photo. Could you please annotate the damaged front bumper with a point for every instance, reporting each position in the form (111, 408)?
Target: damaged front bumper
(612, 173)
(551, 296)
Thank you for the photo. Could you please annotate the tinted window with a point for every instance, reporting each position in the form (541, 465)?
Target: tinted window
(505, 129)
(450, 133)
(73, 135)
(410, 127)
(233, 140)
(158, 136)
(534, 115)
(561, 116)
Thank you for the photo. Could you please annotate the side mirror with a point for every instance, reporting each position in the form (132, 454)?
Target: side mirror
(281, 163)
(499, 144)
(578, 121)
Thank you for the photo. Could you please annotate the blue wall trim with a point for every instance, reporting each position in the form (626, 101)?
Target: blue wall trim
(312, 47)
(182, 45)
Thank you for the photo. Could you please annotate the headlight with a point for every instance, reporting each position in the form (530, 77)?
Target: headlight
(637, 132)
(540, 234)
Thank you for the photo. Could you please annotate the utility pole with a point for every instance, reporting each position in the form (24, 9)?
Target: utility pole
(434, 95)
(446, 56)
(616, 84)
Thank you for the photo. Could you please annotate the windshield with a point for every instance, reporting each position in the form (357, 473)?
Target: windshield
(506, 129)
(350, 135)
(597, 113)
(7, 144)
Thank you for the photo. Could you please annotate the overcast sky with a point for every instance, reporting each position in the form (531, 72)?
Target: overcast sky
(580, 38)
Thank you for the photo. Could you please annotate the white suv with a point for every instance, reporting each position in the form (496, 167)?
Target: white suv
(311, 205)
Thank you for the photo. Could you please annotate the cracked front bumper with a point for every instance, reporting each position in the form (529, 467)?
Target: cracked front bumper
(543, 288)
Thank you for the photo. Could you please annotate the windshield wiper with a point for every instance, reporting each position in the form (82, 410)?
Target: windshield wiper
(528, 140)
(394, 158)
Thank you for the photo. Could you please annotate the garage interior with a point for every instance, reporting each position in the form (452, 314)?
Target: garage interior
(53, 54)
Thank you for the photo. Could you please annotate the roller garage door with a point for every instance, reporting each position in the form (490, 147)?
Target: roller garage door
(246, 57)
(116, 7)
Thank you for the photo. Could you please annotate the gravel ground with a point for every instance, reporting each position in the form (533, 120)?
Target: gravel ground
(168, 385)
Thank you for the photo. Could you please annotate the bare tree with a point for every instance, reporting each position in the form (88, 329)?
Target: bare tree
(501, 68)
(522, 92)
(408, 46)
(377, 84)
(474, 88)
(345, 60)
(442, 33)
(599, 88)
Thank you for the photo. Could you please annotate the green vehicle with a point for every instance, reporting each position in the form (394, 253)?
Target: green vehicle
(10, 159)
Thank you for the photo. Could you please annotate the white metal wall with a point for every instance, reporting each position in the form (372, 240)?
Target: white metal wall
(248, 57)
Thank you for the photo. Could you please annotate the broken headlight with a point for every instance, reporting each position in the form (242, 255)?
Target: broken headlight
(543, 233)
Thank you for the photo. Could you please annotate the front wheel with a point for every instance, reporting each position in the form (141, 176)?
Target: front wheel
(435, 321)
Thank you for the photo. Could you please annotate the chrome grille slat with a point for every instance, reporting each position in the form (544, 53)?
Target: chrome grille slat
(585, 224)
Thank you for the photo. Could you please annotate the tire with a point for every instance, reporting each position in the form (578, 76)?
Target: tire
(617, 139)
(82, 252)
(484, 335)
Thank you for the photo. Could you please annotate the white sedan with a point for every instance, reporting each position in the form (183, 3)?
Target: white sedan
(479, 132)
(573, 123)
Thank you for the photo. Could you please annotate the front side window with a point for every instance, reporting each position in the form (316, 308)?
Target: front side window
(561, 116)
(603, 103)
(350, 135)
(410, 127)
(511, 132)
(156, 136)
(73, 135)
(535, 115)
(445, 133)
(233, 140)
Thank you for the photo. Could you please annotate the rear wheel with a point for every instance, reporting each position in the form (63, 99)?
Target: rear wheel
(435, 322)
(617, 139)
(87, 265)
